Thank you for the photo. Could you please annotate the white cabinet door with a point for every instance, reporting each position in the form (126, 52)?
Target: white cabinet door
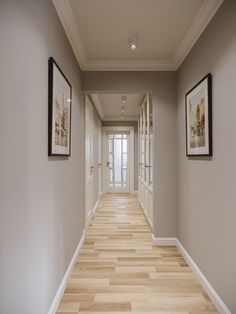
(99, 157)
(89, 157)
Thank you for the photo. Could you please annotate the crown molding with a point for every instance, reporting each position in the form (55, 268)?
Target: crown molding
(98, 105)
(115, 118)
(201, 20)
(126, 65)
(67, 18)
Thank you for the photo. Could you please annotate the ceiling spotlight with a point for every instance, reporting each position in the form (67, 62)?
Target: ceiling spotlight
(122, 117)
(123, 109)
(133, 43)
(123, 99)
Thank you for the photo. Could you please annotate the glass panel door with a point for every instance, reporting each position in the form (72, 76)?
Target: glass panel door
(118, 162)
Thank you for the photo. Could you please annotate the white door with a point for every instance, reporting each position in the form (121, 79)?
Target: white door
(99, 157)
(118, 162)
(89, 162)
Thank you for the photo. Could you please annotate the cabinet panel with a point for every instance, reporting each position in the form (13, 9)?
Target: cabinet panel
(146, 158)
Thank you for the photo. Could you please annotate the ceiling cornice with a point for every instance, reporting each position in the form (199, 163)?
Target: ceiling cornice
(115, 118)
(201, 20)
(66, 16)
(140, 65)
(98, 105)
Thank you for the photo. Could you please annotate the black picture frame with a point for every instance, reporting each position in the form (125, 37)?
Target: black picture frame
(59, 111)
(198, 118)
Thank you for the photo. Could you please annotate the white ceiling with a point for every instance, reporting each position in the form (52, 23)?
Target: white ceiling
(166, 30)
(109, 106)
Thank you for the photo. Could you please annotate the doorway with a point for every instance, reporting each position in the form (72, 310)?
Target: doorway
(118, 159)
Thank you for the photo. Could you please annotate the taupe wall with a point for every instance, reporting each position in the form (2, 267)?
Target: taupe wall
(162, 86)
(41, 198)
(135, 125)
(206, 186)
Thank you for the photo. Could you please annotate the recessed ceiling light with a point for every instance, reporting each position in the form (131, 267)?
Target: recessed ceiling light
(122, 117)
(133, 42)
(123, 99)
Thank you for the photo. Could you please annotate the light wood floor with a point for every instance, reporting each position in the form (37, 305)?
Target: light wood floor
(120, 271)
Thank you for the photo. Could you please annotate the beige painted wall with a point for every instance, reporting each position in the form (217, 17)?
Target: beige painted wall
(206, 190)
(41, 198)
(162, 86)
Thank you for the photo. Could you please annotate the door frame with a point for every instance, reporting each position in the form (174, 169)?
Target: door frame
(88, 211)
(130, 129)
(100, 157)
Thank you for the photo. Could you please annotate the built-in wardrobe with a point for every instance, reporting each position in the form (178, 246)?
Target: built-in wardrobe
(145, 179)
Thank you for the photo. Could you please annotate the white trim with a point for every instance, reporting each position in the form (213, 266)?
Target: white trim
(130, 65)
(60, 291)
(131, 157)
(163, 241)
(146, 216)
(215, 298)
(91, 214)
(221, 307)
(67, 18)
(115, 118)
(98, 105)
(201, 20)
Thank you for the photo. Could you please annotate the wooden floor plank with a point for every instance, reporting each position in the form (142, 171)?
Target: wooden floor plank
(119, 270)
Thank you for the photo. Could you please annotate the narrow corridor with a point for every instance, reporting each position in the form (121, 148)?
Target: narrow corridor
(119, 270)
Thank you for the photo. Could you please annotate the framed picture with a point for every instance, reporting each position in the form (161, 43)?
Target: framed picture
(198, 111)
(59, 112)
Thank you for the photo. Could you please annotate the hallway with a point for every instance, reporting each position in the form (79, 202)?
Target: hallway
(119, 270)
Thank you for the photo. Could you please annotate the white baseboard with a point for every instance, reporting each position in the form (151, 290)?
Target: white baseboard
(91, 214)
(141, 204)
(62, 286)
(146, 216)
(95, 206)
(219, 304)
(164, 241)
(60, 291)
